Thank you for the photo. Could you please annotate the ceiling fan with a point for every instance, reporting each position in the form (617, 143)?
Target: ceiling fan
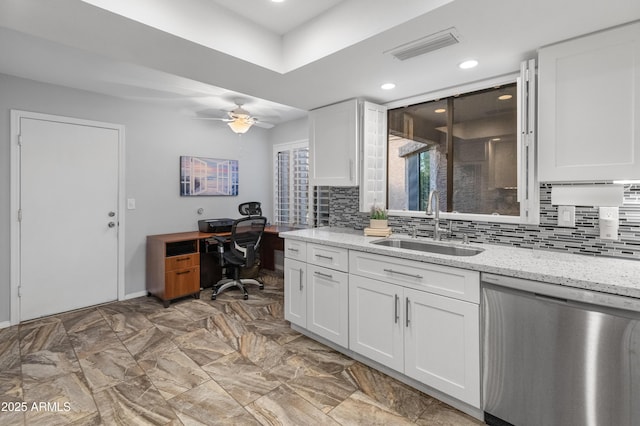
(240, 120)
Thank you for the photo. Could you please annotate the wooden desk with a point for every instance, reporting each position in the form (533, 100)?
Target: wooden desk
(271, 242)
(173, 265)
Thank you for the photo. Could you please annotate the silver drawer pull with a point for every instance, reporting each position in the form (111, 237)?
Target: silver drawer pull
(324, 257)
(406, 312)
(397, 317)
(320, 274)
(300, 278)
(391, 271)
(293, 249)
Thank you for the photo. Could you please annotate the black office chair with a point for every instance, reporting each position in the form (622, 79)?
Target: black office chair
(250, 208)
(240, 252)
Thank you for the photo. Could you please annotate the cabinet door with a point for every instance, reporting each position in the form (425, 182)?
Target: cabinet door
(295, 292)
(334, 145)
(442, 344)
(589, 113)
(328, 304)
(376, 321)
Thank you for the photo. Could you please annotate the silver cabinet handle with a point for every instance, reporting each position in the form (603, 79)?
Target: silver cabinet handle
(397, 317)
(300, 278)
(350, 170)
(391, 271)
(320, 274)
(322, 256)
(406, 309)
(293, 249)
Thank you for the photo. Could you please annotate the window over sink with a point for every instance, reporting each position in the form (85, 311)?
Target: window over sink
(474, 147)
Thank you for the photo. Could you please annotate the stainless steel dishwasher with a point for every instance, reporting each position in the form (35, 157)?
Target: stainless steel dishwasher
(555, 355)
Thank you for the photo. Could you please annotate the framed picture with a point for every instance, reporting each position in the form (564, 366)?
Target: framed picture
(208, 176)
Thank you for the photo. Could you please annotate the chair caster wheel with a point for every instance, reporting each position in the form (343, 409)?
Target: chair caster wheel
(246, 297)
(261, 286)
(213, 297)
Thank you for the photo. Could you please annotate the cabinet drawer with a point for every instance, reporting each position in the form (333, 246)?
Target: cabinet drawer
(295, 250)
(451, 282)
(330, 257)
(181, 262)
(182, 282)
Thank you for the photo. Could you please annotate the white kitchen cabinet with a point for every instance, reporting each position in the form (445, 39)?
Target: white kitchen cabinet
(589, 107)
(408, 323)
(334, 145)
(295, 291)
(316, 289)
(442, 344)
(347, 147)
(376, 316)
(327, 304)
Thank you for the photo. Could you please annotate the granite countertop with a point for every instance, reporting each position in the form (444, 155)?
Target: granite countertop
(604, 274)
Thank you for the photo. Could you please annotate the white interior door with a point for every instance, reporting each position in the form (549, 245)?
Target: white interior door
(69, 216)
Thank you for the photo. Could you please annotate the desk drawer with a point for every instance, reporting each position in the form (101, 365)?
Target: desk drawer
(182, 282)
(294, 249)
(180, 262)
(330, 257)
(457, 283)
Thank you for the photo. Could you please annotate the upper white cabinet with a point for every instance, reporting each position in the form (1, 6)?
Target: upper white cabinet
(347, 147)
(589, 107)
(333, 145)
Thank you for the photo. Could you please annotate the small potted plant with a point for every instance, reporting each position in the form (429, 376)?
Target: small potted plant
(379, 218)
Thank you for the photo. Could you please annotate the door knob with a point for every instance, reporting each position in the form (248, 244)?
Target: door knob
(112, 224)
(112, 214)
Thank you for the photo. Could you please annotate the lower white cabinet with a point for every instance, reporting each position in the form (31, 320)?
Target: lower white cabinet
(295, 291)
(431, 338)
(442, 344)
(327, 304)
(316, 293)
(376, 316)
(418, 319)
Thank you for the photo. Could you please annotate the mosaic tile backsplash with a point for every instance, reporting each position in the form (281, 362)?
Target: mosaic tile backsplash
(584, 238)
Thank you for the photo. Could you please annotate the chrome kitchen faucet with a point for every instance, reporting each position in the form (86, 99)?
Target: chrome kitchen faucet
(437, 231)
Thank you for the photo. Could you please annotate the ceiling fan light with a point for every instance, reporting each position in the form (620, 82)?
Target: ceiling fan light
(239, 126)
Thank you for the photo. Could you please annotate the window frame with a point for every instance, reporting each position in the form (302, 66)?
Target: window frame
(277, 148)
(528, 186)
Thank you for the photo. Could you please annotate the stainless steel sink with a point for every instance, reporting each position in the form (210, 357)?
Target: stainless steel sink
(428, 247)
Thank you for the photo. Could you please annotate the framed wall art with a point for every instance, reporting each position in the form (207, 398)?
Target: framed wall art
(200, 176)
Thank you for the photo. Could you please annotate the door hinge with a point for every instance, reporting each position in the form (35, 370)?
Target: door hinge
(19, 140)
(20, 290)
(19, 215)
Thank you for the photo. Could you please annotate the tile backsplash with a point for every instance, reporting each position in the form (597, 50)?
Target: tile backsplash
(584, 238)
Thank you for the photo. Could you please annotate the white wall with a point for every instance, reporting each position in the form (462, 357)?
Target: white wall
(155, 139)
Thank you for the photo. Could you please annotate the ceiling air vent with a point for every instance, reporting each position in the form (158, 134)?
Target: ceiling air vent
(425, 44)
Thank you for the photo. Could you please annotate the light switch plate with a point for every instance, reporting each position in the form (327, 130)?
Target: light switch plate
(131, 203)
(567, 216)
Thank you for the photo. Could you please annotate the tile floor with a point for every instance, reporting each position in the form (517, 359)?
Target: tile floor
(228, 361)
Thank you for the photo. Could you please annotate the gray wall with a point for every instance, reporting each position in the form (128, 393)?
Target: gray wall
(155, 139)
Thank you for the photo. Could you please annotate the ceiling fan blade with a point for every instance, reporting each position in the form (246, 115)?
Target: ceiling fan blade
(263, 124)
(213, 119)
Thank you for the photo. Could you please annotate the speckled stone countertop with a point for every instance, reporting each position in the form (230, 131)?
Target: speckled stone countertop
(604, 274)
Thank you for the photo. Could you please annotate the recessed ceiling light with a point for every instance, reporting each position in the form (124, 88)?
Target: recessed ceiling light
(495, 139)
(277, 1)
(440, 110)
(471, 63)
(388, 86)
(505, 97)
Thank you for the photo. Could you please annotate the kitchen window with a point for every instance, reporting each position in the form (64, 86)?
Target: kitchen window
(474, 148)
(291, 183)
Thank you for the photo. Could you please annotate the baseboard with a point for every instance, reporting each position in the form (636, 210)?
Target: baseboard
(135, 295)
(5, 324)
